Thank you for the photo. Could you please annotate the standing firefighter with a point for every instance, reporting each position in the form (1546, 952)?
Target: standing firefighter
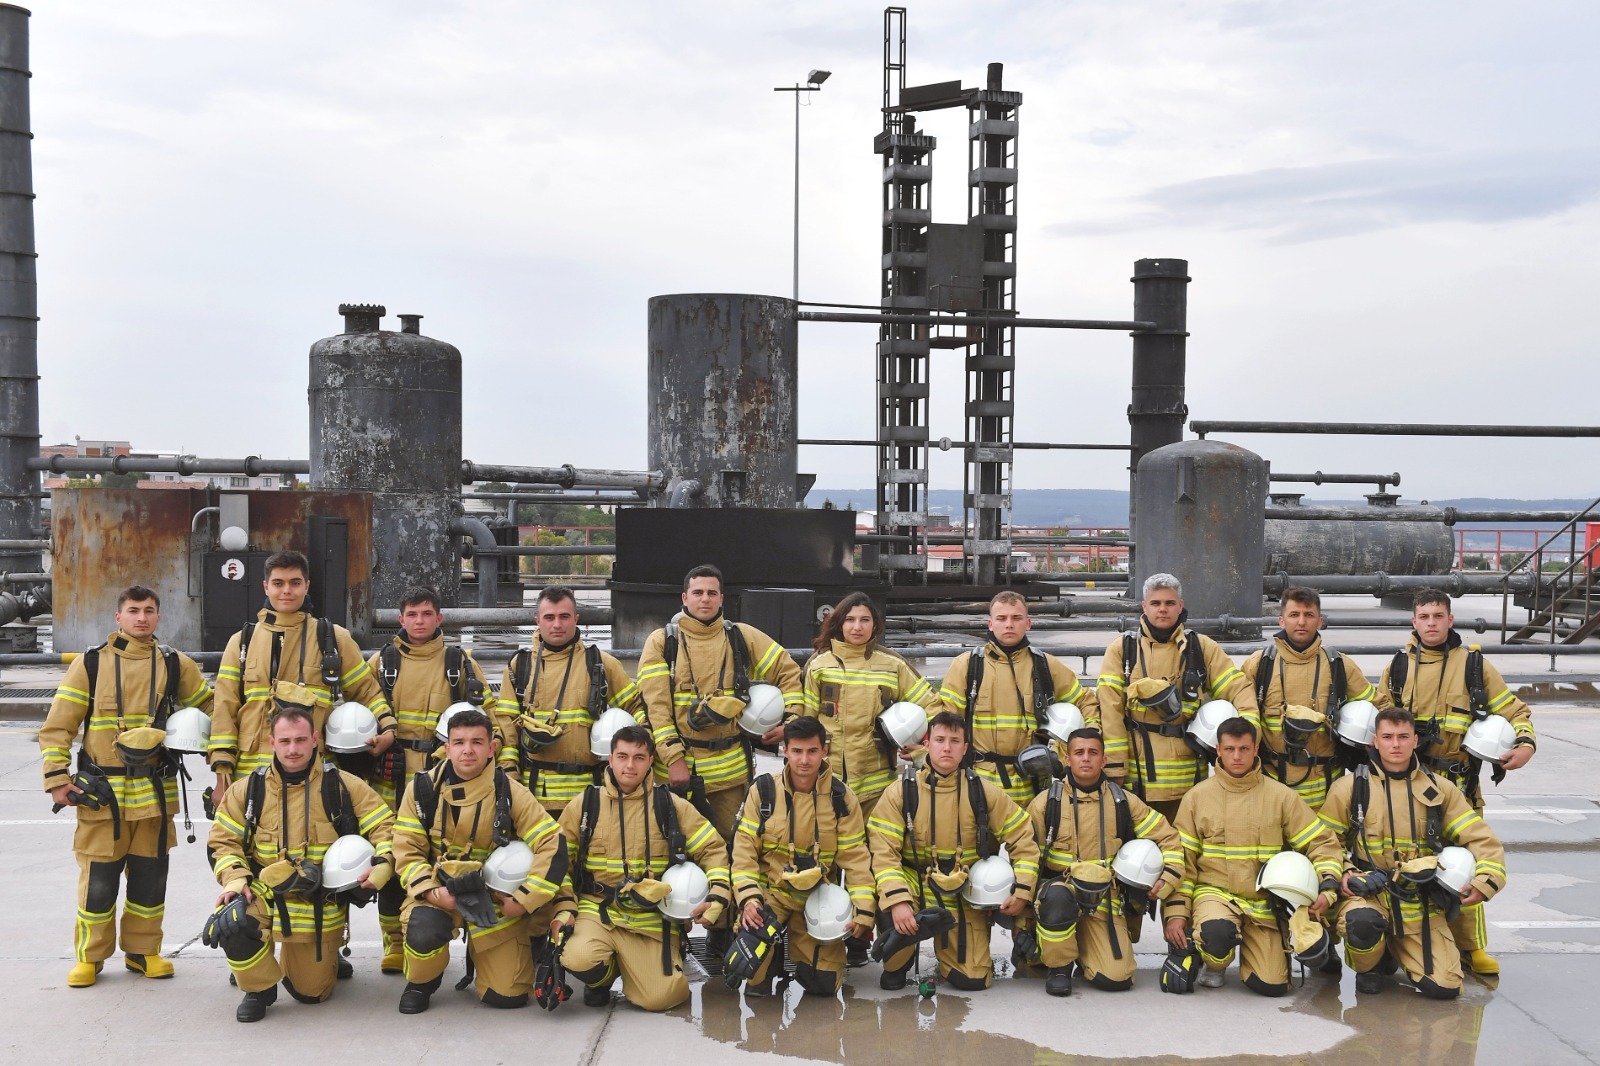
(1460, 702)
(421, 676)
(1416, 852)
(1004, 689)
(119, 696)
(281, 834)
(1093, 893)
(473, 849)
(644, 864)
(1174, 670)
(552, 694)
(800, 833)
(1300, 684)
(935, 856)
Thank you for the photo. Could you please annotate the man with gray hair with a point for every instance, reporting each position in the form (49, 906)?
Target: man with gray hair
(1150, 686)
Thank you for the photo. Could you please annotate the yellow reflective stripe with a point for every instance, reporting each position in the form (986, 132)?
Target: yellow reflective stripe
(768, 659)
(73, 695)
(228, 822)
(955, 699)
(1305, 835)
(1111, 681)
(1453, 830)
(653, 670)
(1500, 700)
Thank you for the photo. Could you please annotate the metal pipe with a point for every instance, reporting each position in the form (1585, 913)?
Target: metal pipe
(636, 495)
(251, 465)
(684, 491)
(24, 545)
(944, 444)
(1393, 429)
(26, 579)
(556, 498)
(482, 617)
(1157, 409)
(488, 567)
(995, 321)
(548, 549)
(1383, 481)
(1380, 584)
(567, 476)
(1448, 515)
(19, 304)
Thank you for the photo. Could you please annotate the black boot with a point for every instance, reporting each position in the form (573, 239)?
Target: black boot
(1059, 981)
(344, 969)
(253, 1007)
(414, 1000)
(596, 996)
(855, 952)
(892, 980)
(1369, 983)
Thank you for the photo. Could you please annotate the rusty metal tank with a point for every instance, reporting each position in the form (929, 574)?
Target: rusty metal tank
(1421, 548)
(724, 398)
(386, 418)
(1200, 507)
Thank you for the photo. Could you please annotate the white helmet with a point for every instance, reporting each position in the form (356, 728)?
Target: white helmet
(903, 723)
(1203, 730)
(1139, 863)
(1490, 739)
(764, 710)
(442, 730)
(1456, 867)
(507, 866)
(1061, 720)
(600, 734)
(989, 883)
(828, 913)
(1290, 876)
(346, 862)
(188, 731)
(349, 727)
(1358, 723)
(688, 889)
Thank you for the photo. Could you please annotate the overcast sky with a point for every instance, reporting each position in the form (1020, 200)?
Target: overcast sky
(1389, 211)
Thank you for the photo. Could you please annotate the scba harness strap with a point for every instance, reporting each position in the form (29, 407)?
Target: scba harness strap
(327, 643)
(1192, 682)
(671, 831)
(165, 767)
(1044, 694)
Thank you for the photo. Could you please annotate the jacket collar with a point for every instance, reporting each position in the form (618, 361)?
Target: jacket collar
(1164, 636)
(1249, 780)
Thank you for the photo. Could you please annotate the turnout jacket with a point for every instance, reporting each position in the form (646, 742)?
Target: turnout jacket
(1086, 831)
(1230, 826)
(1162, 767)
(461, 827)
(848, 687)
(289, 806)
(626, 843)
(1435, 693)
(705, 667)
(803, 824)
(1304, 679)
(420, 694)
(1395, 823)
(1002, 718)
(131, 682)
(239, 739)
(945, 830)
(557, 691)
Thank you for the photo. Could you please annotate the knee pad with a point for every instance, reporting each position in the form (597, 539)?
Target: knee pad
(104, 880)
(961, 981)
(1106, 984)
(147, 880)
(491, 998)
(1264, 988)
(603, 973)
(1433, 990)
(429, 930)
(390, 896)
(816, 982)
(1058, 907)
(1364, 928)
(1218, 937)
(296, 995)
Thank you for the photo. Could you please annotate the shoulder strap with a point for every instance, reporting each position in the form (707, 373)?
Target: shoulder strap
(388, 669)
(667, 822)
(248, 631)
(1044, 685)
(1269, 655)
(980, 813)
(521, 666)
(599, 688)
(1360, 797)
(1052, 814)
(454, 671)
(590, 814)
(1397, 677)
(1477, 691)
(255, 795)
(975, 663)
(336, 801)
(1130, 655)
(669, 647)
(908, 799)
(1119, 796)
(505, 826)
(1195, 675)
(332, 666)
(841, 802)
(767, 797)
(169, 695)
(425, 793)
(1341, 684)
(91, 666)
(741, 660)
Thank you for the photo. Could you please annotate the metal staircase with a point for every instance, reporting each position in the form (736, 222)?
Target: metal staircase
(1563, 605)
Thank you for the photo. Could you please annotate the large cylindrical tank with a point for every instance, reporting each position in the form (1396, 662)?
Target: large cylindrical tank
(19, 302)
(1420, 548)
(386, 419)
(1200, 507)
(723, 398)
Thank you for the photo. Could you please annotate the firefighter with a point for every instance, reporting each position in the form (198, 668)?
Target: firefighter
(550, 696)
(119, 696)
(1003, 689)
(1398, 893)
(624, 835)
(1447, 686)
(930, 836)
(461, 826)
(1296, 670)
(798, 832)
(420, 676)
(271, 834)
(1083, 916)
(1145, 745)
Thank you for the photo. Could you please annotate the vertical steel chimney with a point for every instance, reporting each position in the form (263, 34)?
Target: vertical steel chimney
(19, 304)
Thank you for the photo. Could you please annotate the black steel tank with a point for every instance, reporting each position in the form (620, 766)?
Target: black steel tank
(386, 419)
(1421, 548)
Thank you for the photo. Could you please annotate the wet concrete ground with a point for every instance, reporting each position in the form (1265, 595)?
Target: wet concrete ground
(1545, 928)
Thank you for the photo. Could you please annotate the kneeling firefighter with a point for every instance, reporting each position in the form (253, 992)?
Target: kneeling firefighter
(797, 833)
(931, 837)
(267, 845)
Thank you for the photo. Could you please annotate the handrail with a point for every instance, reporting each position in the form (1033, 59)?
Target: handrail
(1535, 558)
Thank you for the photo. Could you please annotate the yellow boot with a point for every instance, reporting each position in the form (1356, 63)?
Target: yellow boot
(148, 965)
(394, 948)
(1480, 961)
(83, 974)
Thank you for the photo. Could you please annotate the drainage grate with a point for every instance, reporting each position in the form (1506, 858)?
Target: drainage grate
(26, 693)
